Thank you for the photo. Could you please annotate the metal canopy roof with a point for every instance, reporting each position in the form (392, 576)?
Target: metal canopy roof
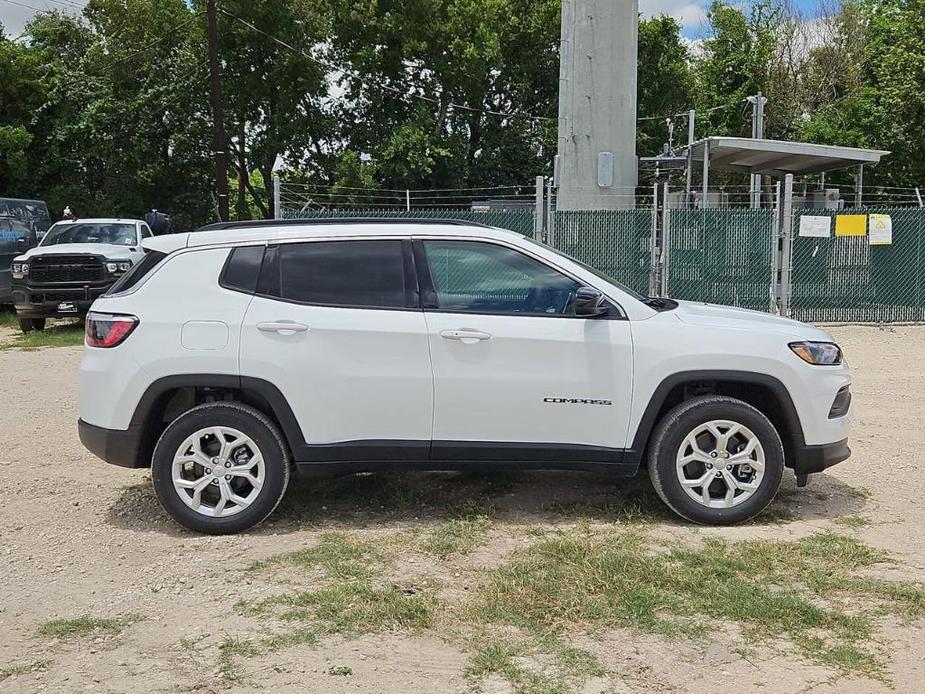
(778, 158)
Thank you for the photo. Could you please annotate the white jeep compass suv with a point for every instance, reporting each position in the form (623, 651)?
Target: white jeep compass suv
(231, 354)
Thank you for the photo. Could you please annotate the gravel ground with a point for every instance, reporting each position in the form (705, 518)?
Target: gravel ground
(81, 537)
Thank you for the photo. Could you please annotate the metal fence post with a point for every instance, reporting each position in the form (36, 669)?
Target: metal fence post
(774, 306)
(653, 246)
(786, 286)
(277, 212)
(538, 218)
(550, 219)
(666, 241)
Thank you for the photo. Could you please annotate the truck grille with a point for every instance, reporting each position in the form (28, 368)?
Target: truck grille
(66, 268)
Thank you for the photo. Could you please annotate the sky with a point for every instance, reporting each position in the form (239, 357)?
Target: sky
(691, 13)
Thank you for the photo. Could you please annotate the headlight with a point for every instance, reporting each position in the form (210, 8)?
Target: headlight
(117, 267)
(818, 353)
(20, 270)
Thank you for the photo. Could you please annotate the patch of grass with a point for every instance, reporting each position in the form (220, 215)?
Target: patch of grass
(532, 666)
(456, 536)
(353, 607)
(806, 590)
(84, 625)
(60, 335)
(395, 496)
(855, 522)
(340, 670)
(295, 637)
(860, 492)
(338, 554)
(23, 668)
(228, 651)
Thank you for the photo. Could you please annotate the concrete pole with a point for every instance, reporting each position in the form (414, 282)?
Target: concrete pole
(597, 104)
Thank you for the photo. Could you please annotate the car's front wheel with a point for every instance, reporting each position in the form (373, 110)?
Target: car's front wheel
(220, 468)
(716, 460)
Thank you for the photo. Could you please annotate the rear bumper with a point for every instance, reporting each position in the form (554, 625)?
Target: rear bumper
(808, 460)
(114, 446)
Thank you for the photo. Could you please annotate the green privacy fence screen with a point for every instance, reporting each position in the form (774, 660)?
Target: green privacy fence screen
(616, 242)
(721, 256)
(845, 279)
(520, 221)
(725, 256)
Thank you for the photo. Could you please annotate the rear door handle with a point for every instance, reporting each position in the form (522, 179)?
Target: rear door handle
(282, 327)
(467, 337)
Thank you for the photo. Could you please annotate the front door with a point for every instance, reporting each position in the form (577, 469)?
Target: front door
(516, 373)
(336, 327)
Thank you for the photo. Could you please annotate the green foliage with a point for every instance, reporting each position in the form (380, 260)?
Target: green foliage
(108, 112)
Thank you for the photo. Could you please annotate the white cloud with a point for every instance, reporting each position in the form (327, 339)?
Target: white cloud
(692, 14)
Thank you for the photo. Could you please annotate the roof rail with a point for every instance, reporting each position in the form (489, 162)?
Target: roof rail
(257, 223)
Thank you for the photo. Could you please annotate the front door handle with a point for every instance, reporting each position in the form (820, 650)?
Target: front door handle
(282, 327)
(467, 337)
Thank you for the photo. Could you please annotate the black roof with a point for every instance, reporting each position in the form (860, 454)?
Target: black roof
(257, 223)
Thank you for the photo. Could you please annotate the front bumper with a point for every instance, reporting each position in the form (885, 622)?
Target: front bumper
(42, 301)
(808, 460)
(114, 446)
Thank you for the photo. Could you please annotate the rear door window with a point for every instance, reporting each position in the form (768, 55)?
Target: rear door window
(351, 274)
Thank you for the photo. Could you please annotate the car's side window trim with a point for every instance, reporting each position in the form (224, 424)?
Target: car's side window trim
(429, 294)
(271, 264)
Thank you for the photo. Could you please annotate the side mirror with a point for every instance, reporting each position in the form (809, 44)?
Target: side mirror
(589, 302)
(22, 244)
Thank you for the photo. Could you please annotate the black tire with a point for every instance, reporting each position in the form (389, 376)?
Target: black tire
(247, 420)
(30, 324)
(685, 418)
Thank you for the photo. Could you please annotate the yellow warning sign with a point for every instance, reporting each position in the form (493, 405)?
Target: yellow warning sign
(881, 230)
(850, 225)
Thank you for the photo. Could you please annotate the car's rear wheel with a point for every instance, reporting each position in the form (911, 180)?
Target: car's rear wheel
(716, 460)
(30, 324)
(220, 468)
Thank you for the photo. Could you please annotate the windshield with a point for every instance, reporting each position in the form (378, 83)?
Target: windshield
(91, 232)
(597, 273)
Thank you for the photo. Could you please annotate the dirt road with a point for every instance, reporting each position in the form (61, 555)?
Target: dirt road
(81, 539)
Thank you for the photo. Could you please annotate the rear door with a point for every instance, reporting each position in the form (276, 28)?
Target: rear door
(336, 326)
(516, 374)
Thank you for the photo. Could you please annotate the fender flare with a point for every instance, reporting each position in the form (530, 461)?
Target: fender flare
(657, 400)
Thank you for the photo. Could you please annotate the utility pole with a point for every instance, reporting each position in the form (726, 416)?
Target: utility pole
(218, 121)
(758, 102)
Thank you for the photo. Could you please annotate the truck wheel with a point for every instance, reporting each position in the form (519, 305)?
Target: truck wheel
(29, 324)
(220, 468)
(716, 460)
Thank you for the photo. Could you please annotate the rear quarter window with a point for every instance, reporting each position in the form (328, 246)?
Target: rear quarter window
(242, 269)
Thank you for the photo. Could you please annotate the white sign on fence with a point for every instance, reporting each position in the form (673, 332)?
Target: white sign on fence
(818, 227)
(880, 231)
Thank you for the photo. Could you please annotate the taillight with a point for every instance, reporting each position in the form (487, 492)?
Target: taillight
(108, 330)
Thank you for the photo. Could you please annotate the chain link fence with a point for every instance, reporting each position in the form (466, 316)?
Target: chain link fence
(846, 279)
(728, 256)
(721, 256)
(615, 242)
